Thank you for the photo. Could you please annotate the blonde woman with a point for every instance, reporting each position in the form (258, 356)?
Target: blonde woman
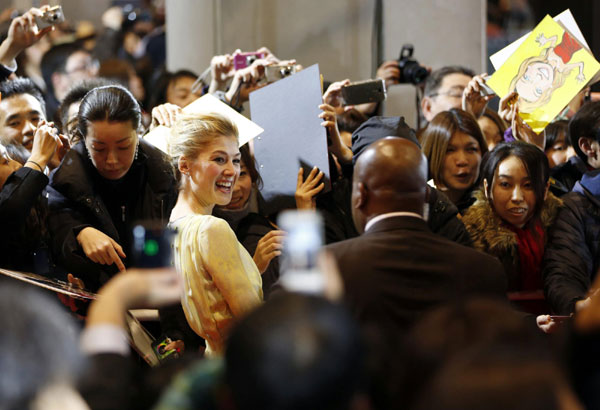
(221, 280)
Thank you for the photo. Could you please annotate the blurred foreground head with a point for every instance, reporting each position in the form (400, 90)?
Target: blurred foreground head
(295, 352)
(39, 351)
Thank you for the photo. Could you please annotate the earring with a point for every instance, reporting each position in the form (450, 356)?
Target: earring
(137, 147)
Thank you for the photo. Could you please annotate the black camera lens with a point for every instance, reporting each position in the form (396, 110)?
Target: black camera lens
(414, 73)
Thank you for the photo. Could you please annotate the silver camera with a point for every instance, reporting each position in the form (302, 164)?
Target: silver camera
(51, 17)
(278, 71)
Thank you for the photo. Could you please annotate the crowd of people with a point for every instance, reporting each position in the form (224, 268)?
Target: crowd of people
(458, 271)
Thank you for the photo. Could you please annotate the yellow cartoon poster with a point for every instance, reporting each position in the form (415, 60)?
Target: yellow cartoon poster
(547, 71)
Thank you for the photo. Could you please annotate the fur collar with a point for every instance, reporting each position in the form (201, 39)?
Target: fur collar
(491, 235)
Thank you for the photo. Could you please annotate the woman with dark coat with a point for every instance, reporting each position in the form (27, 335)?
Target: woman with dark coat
(105, 185)
(513, 212)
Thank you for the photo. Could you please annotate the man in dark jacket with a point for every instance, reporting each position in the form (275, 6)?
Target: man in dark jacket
(398, 269)
(572, 258)
(584, 136)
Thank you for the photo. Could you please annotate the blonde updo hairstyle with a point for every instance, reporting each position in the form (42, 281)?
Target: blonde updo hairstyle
(192, 132)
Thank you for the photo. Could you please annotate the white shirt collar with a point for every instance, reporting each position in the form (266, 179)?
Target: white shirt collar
(390, 215)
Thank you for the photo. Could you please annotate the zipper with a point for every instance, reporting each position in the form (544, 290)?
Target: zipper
(123, 213)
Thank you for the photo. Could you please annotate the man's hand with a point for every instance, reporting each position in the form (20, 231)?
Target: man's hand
(389, 71)
(46, 142)
(269, 246)
(165, 114)
(333, 95)
(101, 248)
(306, 191)
(472, 100)
(22, 33)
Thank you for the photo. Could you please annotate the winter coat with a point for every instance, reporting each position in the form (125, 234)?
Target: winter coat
(572, 256)
(491, 235)
(75, 203)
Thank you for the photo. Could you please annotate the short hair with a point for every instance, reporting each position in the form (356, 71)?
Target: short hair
(192, 132)
(76, 94)
(350, 120)
(553, 131)
(306, 352)
(55, 60)
(38, 347)
(112, 103)
(163, 83)
(434, 80)
(436, 136)
(19, 86)
(534, 160)
(585, 124)
(496, 119)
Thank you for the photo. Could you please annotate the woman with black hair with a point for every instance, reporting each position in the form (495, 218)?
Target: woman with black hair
(106, 183)
(513, 212)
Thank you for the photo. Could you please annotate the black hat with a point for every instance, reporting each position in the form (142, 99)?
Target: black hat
(376, 128)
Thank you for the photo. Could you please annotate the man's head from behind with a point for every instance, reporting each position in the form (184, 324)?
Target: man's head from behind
(21, 108)
(584, 133)
(443, 90)
(389, 176)
(294, 352)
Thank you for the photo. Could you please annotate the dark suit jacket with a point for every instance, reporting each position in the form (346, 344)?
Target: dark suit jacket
(399, 269)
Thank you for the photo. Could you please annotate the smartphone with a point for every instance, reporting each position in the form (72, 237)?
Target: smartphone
(369, 91)
(485, 89)
(244, 60)
(152, 246)
(159, 349)
(51, 17)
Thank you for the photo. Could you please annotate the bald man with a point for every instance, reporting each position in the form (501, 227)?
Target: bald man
(397, 268)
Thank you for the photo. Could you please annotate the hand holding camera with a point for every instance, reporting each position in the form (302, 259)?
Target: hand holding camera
(476, 95)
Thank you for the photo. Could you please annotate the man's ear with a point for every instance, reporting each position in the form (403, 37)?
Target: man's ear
(426, 107)
(361, 196)
(485, 188)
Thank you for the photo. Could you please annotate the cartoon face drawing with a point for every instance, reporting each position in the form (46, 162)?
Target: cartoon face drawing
(536, 80)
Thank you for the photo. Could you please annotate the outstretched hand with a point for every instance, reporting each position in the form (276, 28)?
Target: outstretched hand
(472, 100)
(101, 248)
(306, 191)
(22, 33)
(269, 246)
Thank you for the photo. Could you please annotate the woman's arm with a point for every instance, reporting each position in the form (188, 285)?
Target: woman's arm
(222, 259)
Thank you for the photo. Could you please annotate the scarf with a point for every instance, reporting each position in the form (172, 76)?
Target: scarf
(530, 243)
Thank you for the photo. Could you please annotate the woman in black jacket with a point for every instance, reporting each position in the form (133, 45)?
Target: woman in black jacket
(106, 183)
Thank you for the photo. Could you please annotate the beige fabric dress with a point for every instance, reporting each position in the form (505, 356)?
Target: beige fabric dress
(221, 281)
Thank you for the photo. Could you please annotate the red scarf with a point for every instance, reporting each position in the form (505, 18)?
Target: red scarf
(530, 243)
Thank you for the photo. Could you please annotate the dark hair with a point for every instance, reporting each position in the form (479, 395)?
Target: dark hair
(19, 86)
(76, 94)
(553, 131)
(434, 80)
(496, 119)
(112, 103)
(533, 159)
(436, 136)
(163, 83)
(350, 120)
(55, 60)
(585, 124)
(306, 352)
(117, 70)
(250, 164)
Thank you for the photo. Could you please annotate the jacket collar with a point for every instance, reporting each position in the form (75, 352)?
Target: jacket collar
(396, 223)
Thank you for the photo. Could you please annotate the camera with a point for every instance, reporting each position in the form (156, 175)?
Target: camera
(51, 17)
(278, 71)
(244, 60)
(410, 70)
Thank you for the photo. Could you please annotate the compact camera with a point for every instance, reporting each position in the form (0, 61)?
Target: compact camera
(51, 17)
(278, 71)
(369, 91)
(410, 70)
(244, 60)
